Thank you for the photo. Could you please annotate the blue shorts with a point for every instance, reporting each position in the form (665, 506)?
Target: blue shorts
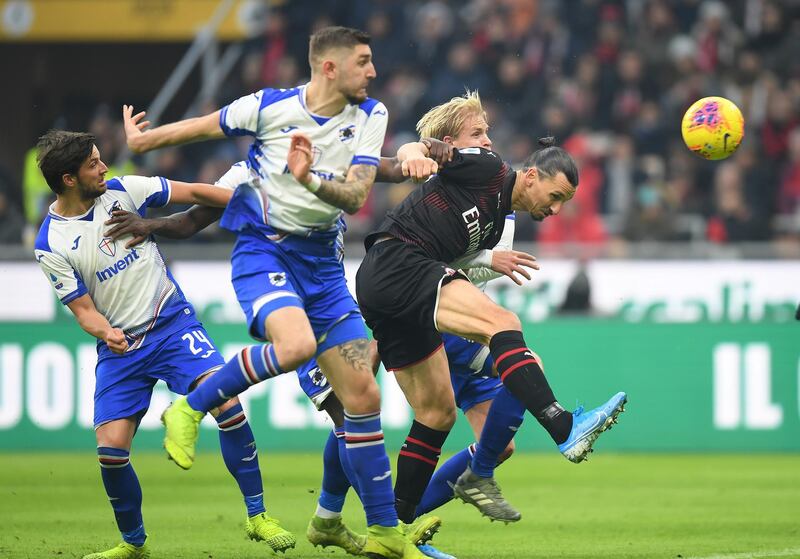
(313, 382)
(300, 272)
(124, 383)
(470, 372)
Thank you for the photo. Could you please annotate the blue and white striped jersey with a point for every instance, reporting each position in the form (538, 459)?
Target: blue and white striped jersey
(272, 197)
(132, 288)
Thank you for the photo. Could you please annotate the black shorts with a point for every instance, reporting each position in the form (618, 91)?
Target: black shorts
(397, 287)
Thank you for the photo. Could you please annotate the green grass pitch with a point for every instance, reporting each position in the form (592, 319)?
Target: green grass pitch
(615, 506)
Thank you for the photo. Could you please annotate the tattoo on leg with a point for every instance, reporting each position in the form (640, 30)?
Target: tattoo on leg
(356, 354)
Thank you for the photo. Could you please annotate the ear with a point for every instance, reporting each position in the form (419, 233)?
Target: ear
(329, 69)
(69, 180)
(531, 175)
(448, 140)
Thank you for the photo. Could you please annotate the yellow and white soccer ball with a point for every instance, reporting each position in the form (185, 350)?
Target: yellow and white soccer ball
(713, 128)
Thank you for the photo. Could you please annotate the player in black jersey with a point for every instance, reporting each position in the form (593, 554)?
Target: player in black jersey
(410, 291)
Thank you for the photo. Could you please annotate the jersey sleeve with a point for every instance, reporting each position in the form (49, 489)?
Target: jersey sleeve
(368, 151)
(146, 192)
(480, 276)
(66, 282)
(240, 118)
(474, 168)
(236, 175)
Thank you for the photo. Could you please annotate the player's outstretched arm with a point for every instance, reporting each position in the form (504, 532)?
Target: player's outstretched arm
(94, 323)
(141, 140)
(391, 169)
(181, 225)
(199, 193)
(414, 161)
(349, 195)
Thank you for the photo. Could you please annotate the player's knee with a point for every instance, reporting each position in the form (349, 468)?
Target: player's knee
(506, 454)
(440, 417)
(364, 397)
(227, 405)
(113, 440)
(503, 320)
(292, 354)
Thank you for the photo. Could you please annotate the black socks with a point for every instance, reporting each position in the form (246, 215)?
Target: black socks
(523, 377)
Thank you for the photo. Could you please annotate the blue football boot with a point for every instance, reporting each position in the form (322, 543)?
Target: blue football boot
(429, 551)
(587, 426)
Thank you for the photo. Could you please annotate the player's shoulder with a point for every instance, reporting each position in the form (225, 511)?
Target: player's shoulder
(373, 107)
(43, 242)
(239, 173)
(478, 151)
(124, 182)
(270, 96)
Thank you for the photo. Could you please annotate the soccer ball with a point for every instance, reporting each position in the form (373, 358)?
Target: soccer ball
(713, 128)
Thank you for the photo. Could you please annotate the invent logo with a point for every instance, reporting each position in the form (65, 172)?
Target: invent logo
(118, 266)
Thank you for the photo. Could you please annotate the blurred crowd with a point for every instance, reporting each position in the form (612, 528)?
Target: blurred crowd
(609, 79)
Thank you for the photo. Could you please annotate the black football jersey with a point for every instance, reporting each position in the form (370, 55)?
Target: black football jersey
(457, 212)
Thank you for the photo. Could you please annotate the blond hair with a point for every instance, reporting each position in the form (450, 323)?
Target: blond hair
(448, 118)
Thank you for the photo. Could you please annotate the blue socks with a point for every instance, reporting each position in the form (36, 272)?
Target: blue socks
(440, 488)
(239, 452)
(504, 418)
(345, 461)
(502, 422)
(372, 474)
(252, 365)
(124, 492)
(334, 480)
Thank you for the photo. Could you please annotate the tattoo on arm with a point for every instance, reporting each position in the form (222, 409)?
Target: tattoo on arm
(351, 194)
(356, 354)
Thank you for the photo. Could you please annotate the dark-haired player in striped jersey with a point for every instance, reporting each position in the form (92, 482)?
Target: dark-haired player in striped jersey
(146, 330)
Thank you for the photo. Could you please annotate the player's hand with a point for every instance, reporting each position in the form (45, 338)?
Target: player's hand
(128, 223)
(115, 340)
(419, 169)
(299, 158)
(511, 262)
(439, 151)
(134, 127)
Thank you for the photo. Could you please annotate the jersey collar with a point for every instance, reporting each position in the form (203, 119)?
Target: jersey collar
(88, 216)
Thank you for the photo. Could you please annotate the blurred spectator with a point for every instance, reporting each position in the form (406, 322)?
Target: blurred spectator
(650, 219)
(782, 118)
(574, 224)
(717, 37)
(789, 193)
(733, 220)
(610, 79)
(37, 196)
(12, 223)
(578, 298)
(749, 87)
